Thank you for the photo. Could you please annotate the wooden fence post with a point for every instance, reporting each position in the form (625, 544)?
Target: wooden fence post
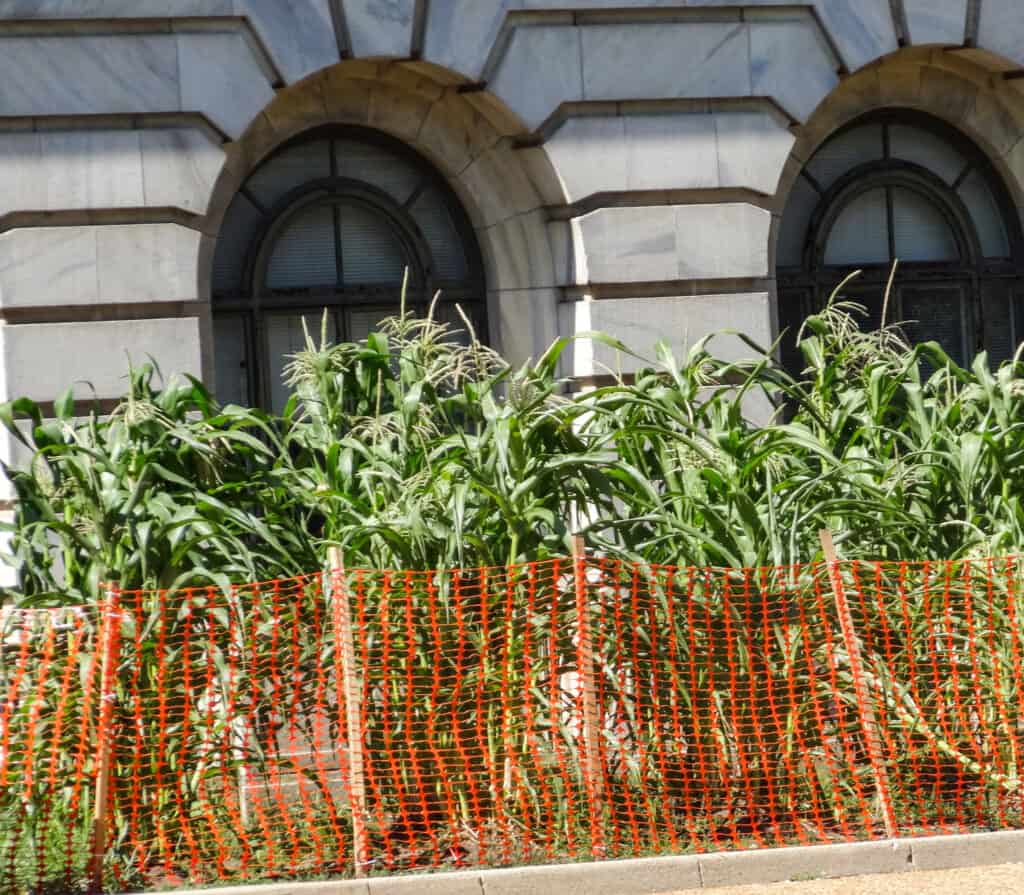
(110, 648)
(345, 647)
(591, 717)
(865, 702)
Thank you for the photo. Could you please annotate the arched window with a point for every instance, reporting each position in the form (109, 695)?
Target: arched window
(332, 221)
(901, 185)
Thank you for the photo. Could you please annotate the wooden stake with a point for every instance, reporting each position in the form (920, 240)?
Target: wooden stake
(865, 701)
(345, 647)
(110, 646)
(591, 717)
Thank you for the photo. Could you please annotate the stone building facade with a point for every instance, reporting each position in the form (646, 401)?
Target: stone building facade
(185, 179)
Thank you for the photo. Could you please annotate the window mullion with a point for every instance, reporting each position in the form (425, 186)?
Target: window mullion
(256, 203)
(418, 191)
(890, 223)
(810, 178)
(339, 258)
(341, 327)
(259, 385)
(962, 176)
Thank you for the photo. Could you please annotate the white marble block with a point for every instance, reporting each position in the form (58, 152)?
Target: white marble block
(461, 33)
(40, 361)
(43, 266)
(660, 60)
(790, 63)
(684, 242)
(216, 73)
(221, 78)
(105, 169)
(936, 21)
(540, 70)
(681, 321)
(298, 33)
(1001, 29)
(379, 27)
(180, 167)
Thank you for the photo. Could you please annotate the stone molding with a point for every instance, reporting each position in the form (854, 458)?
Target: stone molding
(90, 217)
(128, 121)
(98, 313)
(681, 105)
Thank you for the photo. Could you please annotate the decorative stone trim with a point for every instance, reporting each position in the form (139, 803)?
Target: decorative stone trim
(89, 217)
(127, 122)
(148, 310)
(655, 198)
(678, 105)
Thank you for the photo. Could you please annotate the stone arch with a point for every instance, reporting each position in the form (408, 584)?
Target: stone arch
(969, 94)
(965, 93)
(470, 138)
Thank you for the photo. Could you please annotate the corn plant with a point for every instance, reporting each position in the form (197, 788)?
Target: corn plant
(162, 493)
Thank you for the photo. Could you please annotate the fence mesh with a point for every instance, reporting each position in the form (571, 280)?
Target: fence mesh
(395, 721)
(49, 681)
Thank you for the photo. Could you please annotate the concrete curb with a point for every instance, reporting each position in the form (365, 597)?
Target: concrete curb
(654, 876)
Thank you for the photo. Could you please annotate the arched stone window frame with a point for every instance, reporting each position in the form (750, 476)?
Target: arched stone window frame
(983, 282)
(256, 301)
(467, 135)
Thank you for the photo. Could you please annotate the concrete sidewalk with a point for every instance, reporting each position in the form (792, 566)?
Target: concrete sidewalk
(915, 861)
(1005, 879)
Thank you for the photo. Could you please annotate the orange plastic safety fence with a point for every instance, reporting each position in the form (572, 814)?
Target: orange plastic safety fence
(549, 711)
(49, 687)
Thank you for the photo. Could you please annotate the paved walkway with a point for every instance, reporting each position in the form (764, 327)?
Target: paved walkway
(1007, 879)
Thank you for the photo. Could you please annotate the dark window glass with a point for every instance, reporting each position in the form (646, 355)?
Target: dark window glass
(901, 186)
(333, 221)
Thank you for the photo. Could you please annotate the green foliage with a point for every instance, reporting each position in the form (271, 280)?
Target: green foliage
(420, 452)
(165, 492)
(414, 450)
